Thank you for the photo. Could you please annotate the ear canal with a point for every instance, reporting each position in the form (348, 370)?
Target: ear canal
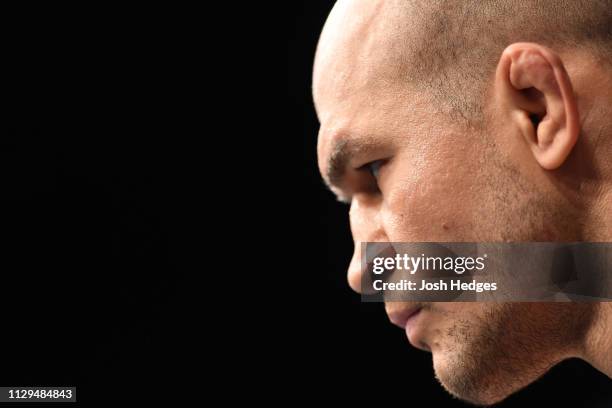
(535, 119)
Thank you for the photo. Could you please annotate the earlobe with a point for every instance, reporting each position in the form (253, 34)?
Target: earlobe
(537, 91)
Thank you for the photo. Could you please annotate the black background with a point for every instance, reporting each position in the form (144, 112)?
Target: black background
(97, 225)
(352, 349)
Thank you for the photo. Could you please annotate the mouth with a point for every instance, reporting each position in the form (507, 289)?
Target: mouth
(403, 317)
(407, 318)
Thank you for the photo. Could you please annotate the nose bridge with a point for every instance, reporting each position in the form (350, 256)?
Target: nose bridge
(366, 226)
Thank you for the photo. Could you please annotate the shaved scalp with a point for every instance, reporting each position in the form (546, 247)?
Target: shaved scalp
(452, 47)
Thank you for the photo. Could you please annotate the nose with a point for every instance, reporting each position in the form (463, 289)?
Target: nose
(366, 226)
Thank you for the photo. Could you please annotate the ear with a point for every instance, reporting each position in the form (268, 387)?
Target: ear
(536, 91)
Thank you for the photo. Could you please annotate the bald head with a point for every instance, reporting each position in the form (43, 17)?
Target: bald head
(450, 49)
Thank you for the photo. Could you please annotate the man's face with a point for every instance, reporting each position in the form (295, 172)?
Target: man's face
(413, 175)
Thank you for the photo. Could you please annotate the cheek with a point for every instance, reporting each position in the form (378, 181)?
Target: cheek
(432, 203)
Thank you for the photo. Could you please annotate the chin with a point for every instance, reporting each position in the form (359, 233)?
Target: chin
(462, 381)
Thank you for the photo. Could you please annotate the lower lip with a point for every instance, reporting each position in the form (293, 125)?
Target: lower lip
(412, 322)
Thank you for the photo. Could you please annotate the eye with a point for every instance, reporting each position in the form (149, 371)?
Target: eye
(369, 183)
(373, 168)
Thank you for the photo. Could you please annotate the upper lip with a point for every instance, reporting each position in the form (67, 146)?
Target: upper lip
(399, 317)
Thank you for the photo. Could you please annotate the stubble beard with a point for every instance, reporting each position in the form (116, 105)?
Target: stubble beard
(492, 354)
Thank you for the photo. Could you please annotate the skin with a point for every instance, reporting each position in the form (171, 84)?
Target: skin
(505, 180)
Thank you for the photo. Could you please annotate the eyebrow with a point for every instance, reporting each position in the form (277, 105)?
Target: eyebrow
(342, 151)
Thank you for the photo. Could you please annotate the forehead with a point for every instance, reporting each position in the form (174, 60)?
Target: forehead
(360, 81)
(363, 45)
